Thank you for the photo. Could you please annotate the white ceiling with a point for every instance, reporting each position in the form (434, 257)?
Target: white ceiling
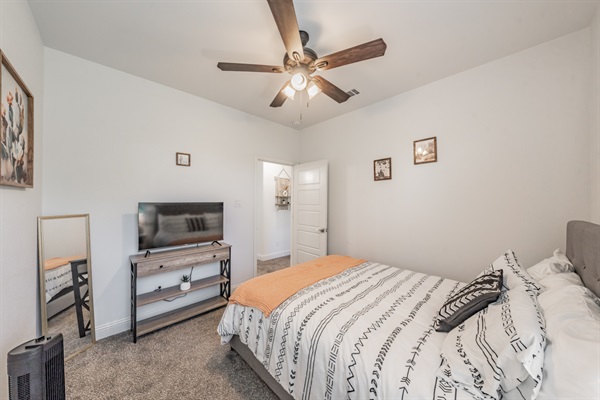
(178, 43)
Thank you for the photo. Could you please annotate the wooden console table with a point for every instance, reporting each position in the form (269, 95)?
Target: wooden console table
(160, 262)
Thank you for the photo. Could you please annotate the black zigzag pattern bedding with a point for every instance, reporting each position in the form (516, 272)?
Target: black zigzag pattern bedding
(367, 333)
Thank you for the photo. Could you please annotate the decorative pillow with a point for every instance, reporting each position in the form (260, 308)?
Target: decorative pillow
(467, 301)
(195, 224)
(557, 264)
(173, 223)
(513, 274)
(497, 349)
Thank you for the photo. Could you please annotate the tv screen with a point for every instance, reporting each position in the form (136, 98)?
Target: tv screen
(178, 224)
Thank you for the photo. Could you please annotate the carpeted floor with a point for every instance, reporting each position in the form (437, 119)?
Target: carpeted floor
(183, 361)
(65, 322)
(264, 267)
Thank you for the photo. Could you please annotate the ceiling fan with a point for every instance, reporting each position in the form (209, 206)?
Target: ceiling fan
(301, 62)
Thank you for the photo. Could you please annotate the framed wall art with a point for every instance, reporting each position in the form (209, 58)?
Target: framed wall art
(16, 128)
(183, 159)
(382, 169)
(425, 150)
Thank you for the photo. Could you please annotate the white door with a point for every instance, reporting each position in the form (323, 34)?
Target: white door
(309, 203)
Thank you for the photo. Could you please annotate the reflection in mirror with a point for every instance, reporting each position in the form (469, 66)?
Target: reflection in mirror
(66, 280)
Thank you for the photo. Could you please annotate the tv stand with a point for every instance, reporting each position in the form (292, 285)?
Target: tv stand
(215, 242)
(145, 265)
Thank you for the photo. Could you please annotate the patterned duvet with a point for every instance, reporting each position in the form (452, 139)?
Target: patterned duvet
(366, 333)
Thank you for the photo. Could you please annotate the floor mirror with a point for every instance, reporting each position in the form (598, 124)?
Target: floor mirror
(65, 273)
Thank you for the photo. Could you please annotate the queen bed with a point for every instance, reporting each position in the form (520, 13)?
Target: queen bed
(65, 281)
(363, 330)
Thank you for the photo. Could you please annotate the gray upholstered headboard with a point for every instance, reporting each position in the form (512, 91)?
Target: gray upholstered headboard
(583, 249)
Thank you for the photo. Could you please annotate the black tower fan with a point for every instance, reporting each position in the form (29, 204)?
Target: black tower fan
(36, 369)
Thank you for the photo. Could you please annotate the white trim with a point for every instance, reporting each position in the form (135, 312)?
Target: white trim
(270, 256)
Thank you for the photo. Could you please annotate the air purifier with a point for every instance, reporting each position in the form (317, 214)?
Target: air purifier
(36, 369)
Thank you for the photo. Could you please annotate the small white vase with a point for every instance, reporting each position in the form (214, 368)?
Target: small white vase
(185, 285)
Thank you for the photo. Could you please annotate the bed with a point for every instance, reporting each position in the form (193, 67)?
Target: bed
(376, 331)
(66, 285)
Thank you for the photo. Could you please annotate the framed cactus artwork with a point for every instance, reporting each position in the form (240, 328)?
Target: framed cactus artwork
(16, 128)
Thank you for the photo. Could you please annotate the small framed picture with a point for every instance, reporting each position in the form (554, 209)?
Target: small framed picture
(382, 169)
(183, 159)
(425, 150)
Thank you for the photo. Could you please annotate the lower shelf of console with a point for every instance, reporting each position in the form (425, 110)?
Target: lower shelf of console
(180, 314)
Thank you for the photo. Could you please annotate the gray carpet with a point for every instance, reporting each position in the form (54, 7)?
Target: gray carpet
(65, 322)
(264, 267)
(184, 361)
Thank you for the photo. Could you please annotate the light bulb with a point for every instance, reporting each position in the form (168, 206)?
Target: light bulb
(298, 81)
(312, 90)
(289, 92)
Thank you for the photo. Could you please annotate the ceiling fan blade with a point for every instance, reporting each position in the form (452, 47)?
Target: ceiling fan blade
(365, 51)
(330, 89)
(285, 18)
(281, 97)
(225, 66)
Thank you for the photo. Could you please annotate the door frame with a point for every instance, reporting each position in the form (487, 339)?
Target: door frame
(258, 162)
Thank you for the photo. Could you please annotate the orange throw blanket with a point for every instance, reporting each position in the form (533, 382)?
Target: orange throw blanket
(267, 292)
(56, 262)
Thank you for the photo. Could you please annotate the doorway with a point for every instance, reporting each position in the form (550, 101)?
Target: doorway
(273, 216)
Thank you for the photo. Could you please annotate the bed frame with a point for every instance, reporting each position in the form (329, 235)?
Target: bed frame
(77, 294)
(583, 249)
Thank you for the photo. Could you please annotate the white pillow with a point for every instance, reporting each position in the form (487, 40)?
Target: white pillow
(513, 274)
(557, 281)
(571, 366)
(497, 349)
(557, 264)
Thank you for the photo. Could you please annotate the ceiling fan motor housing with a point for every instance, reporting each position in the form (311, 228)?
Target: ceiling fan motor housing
(309, 61)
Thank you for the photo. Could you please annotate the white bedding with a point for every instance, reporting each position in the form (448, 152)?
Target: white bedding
(368, 333)
(58, 279)
(365, 333)
(166, 238)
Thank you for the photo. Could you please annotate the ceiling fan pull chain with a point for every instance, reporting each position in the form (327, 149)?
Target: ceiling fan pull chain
(301, 101)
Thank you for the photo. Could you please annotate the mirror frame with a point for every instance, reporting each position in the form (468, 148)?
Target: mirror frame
(42, 278)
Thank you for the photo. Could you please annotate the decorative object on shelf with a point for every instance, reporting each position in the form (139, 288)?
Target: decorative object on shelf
(185, 283)
(16, 128)
(183, 159)
(425, 150)
(282, 190)
(382, 169)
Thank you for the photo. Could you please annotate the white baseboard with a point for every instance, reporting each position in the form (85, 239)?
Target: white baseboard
(123, 325)
(270, 256)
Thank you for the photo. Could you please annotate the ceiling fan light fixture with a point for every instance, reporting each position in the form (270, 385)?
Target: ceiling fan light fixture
(299, 81)
(312, 90)
(289, 92)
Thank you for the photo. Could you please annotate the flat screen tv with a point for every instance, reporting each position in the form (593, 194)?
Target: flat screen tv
(178, 224)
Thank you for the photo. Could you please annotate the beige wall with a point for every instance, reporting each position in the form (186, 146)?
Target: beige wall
(514, 164)
(595, 118)
(19, 310)
(118, 135)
